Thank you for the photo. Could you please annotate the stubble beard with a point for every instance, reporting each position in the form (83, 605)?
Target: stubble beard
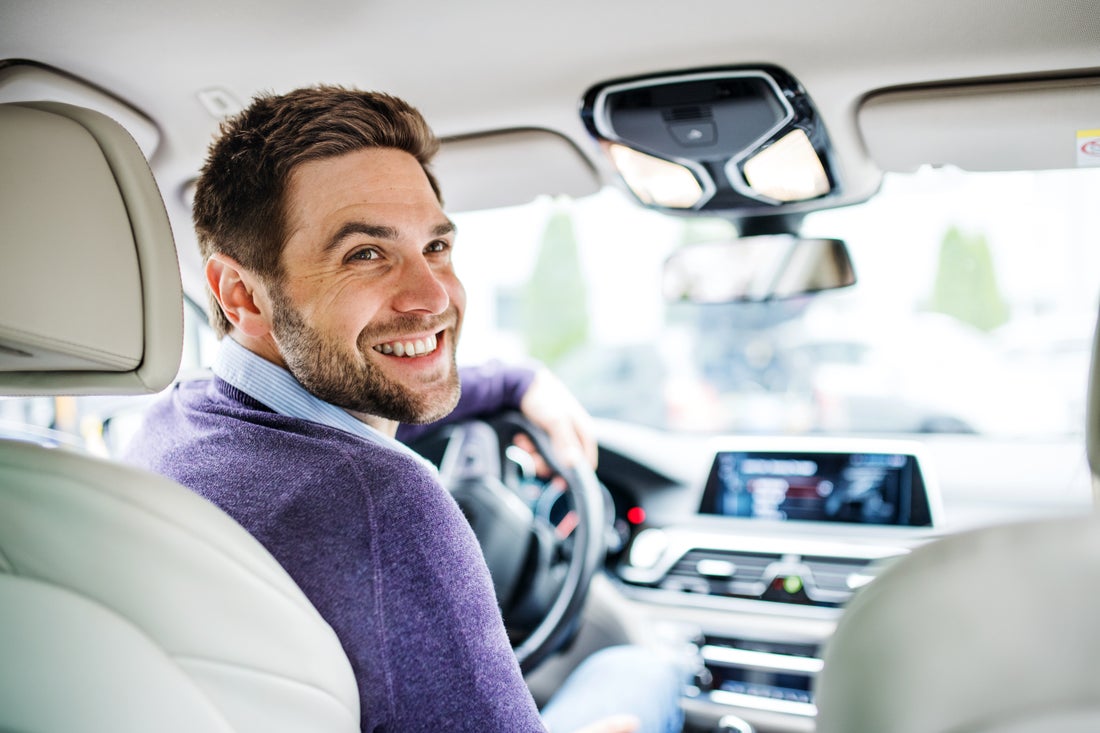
(352, 381)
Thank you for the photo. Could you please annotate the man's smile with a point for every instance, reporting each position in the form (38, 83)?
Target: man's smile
(409, 347)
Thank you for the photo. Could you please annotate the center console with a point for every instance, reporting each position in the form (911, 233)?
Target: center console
(780, 541)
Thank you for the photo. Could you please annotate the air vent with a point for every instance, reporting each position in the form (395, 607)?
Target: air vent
(738, 574)
(837, 574)
(761, 675)
(813, 580)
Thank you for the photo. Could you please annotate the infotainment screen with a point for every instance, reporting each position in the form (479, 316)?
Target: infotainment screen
(865, 488)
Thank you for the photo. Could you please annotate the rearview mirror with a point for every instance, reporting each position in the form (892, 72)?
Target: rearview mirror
(754, 269)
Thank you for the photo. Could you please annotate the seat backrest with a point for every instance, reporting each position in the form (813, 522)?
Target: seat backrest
(127, 603)
(990, 630)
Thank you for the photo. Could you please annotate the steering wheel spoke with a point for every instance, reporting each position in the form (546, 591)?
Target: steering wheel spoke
(540, 571)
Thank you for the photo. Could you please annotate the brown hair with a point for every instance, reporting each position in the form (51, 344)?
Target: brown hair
(239, 209)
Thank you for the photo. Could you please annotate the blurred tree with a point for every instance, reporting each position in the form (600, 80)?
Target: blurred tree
(966, 282)
(555, 300)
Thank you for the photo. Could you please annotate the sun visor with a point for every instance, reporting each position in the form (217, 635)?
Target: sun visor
(1032, 125)
(511, 167)
(1092, 419)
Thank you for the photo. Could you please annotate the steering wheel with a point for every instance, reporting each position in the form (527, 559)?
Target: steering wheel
(541, 578)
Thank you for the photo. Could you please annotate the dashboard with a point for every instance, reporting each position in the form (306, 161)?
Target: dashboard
(751, 546)
(740, 552)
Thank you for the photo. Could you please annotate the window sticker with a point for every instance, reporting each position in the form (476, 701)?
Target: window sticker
(1088, 148)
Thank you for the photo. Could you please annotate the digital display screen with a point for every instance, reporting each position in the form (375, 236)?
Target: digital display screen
(863, 488)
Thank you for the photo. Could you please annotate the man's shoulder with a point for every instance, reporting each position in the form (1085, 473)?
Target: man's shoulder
(205, 435)
(209, 408)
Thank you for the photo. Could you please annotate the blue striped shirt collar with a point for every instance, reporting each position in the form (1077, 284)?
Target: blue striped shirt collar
(277, 388)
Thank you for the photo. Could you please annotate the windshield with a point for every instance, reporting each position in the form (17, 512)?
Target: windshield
(973, 314)
(973, 311)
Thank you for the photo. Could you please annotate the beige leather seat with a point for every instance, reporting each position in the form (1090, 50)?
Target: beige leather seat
(990, 630)
(127, 603)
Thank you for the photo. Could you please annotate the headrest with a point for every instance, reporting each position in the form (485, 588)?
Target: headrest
(90, 293)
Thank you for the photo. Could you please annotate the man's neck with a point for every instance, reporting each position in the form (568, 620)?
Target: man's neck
(381, 424)
(263, 347)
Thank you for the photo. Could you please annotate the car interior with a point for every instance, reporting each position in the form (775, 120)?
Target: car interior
(781, 501)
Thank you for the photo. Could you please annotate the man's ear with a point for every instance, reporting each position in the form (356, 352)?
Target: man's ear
(241, 294)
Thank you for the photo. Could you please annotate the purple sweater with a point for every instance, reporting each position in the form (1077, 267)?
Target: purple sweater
(374, 541)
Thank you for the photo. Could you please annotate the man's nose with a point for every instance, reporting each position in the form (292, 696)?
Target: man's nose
(421, 288)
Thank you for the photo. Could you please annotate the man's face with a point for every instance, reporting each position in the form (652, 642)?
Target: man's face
(369, 310)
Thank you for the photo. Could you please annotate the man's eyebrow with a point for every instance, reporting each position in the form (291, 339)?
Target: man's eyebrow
(380, 231)
(376, 231)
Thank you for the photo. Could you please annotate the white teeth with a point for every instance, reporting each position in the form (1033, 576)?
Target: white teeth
(409, 348)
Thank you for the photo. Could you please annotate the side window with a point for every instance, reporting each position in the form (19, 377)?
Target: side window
(199, 342)
(102, 425)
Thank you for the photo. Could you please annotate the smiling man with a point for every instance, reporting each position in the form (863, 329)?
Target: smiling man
(328, 259)
(367, 309)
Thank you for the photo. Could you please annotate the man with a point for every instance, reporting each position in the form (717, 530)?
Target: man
(328, 258)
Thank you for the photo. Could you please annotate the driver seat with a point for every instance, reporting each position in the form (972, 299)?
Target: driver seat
(990, 630)
(127, 602)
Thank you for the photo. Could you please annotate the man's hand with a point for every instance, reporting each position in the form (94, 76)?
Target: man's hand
(551, 406)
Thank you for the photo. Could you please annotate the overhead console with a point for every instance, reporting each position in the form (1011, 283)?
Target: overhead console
(740, 140)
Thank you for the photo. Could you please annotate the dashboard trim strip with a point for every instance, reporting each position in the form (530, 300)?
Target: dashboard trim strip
(741, 700)
(761, 660)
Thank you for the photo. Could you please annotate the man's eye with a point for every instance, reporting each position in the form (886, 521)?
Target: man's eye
(367, 253)
(437, 246)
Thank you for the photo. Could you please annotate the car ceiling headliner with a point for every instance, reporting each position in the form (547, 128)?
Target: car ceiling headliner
(492, 64)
